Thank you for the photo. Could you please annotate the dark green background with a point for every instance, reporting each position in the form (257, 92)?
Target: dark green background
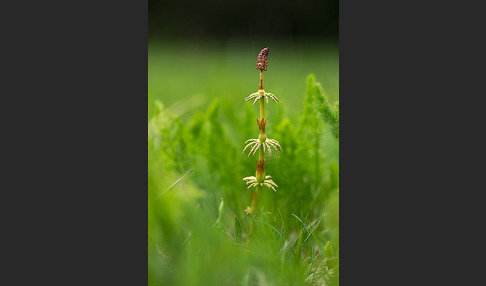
(223, 20)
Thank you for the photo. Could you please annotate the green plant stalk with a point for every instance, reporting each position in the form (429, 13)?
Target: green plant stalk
(262, 109)
(255, 200)
(256, 197)
(261, 144)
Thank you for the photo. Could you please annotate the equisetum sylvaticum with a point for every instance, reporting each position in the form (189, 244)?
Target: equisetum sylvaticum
(263, 145)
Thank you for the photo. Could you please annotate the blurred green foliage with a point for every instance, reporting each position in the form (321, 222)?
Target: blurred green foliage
(187, 76)
(197, 227)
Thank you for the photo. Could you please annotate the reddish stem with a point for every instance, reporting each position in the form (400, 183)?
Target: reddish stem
(261, 80)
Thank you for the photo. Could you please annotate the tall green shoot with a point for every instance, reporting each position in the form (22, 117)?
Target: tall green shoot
(262, 144)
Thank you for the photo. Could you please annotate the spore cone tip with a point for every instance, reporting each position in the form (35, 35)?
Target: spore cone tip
(262, 60)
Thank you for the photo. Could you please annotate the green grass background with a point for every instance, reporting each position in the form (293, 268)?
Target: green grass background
(182, 71)
(198, 122)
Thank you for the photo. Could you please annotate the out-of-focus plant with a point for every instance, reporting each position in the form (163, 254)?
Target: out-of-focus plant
(330, 114)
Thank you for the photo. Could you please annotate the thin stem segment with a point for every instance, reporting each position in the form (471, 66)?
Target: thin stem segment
(261, 80)
(262, 108)
(256, 196)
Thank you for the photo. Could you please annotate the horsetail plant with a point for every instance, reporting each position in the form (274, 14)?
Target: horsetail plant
(262, 144)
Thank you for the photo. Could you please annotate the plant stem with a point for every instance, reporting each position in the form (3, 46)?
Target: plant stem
(255, 199)
(261, 80)
(261, 155)
(256, 195)
(262, 108)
